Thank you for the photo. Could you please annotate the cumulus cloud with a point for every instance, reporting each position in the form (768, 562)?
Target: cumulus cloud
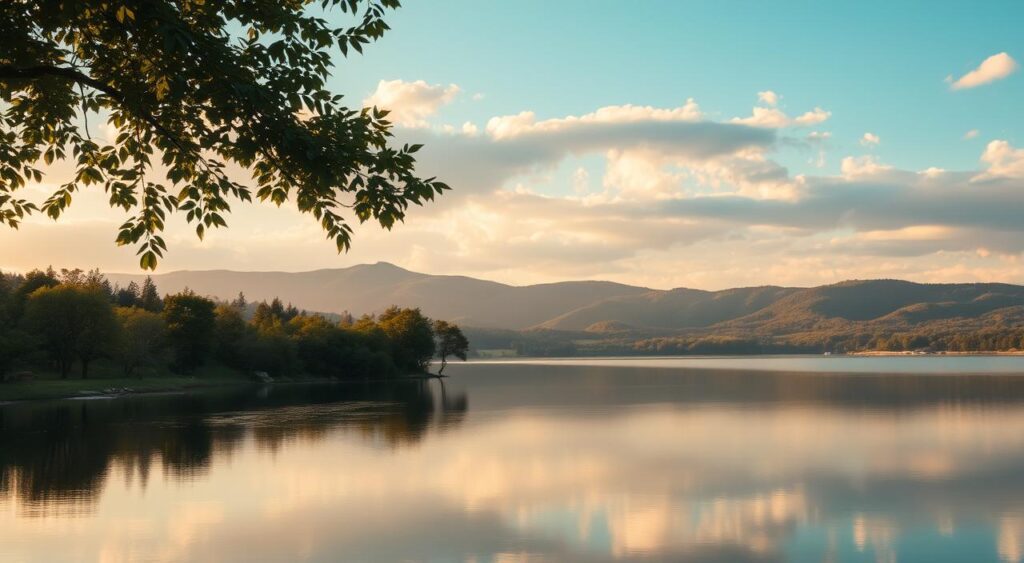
(768, 97)
(813, 117)
(526, 122)
(994, 68)
(640, 145)
(639, 174)
(679, 132)
(755, 217)
(775, 118)
(736, 237)
(765, 117)
(867, 165)
(900, 200)
(971, 134)
(411, 103)
(870, 140)
(1003, 160)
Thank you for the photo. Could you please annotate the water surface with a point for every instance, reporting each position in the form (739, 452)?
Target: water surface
(545, 461)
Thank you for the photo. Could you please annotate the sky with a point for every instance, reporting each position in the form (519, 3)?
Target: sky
(664, 144)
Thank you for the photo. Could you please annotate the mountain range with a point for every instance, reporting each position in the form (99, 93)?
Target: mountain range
(370, 288)
(612, 310)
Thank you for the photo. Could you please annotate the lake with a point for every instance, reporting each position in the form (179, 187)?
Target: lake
(701, 459)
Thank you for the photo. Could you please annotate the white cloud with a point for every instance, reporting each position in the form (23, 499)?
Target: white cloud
(994, 68)
(971, 134)
(765, 117)
(526, 121)
(411, 103)
(749, 173)
(813, 117)
(867, 165)
(774, 118)
(1003, 160)
(740, 215)
(917, 232)
(870, 140)
(639, 174)
(768, 97)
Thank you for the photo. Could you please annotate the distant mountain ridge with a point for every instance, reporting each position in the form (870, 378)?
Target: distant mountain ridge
(671, 309)
(880, 303)
(370, 288)
(598, 307)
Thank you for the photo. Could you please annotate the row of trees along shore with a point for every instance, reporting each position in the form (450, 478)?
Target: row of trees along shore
(57, 321)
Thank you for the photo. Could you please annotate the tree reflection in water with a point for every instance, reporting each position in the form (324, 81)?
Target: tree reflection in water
(55, 457)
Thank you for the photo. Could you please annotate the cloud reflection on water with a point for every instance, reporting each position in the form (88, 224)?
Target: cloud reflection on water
(577, 464)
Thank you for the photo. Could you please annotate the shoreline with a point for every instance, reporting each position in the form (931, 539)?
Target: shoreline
(869, 353)
(102, 389)
(947, 353)
(106, 389)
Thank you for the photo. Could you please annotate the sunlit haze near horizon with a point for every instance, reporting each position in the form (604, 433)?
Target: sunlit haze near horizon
(660, 144)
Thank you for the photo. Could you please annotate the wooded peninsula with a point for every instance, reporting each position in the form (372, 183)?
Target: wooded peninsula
(56, 325)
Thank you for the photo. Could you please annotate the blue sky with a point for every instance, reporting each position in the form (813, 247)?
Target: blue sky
(877, 66)
(665, 144)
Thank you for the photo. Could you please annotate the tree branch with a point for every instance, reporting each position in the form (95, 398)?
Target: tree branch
(9, 72)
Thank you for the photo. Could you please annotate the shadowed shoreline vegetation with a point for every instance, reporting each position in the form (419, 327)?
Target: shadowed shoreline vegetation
(55, 326)
(86, 442)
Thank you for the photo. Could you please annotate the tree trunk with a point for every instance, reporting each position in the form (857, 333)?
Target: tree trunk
(85, 369)
(444, 362)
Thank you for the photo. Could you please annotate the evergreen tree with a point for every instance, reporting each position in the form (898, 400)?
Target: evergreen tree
(149, 299)
(129, 296)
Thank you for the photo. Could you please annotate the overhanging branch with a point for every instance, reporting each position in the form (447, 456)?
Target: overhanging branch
(9, 72)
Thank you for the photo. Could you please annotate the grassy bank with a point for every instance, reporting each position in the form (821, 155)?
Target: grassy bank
(51, 386)
(61, 389)
(110, 382)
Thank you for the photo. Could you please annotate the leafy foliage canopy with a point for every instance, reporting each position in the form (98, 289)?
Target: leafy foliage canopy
(197, 91)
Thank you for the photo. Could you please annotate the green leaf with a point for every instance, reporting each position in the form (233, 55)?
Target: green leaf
(148, 260)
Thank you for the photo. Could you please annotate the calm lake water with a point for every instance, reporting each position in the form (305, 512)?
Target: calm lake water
(705, 460)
